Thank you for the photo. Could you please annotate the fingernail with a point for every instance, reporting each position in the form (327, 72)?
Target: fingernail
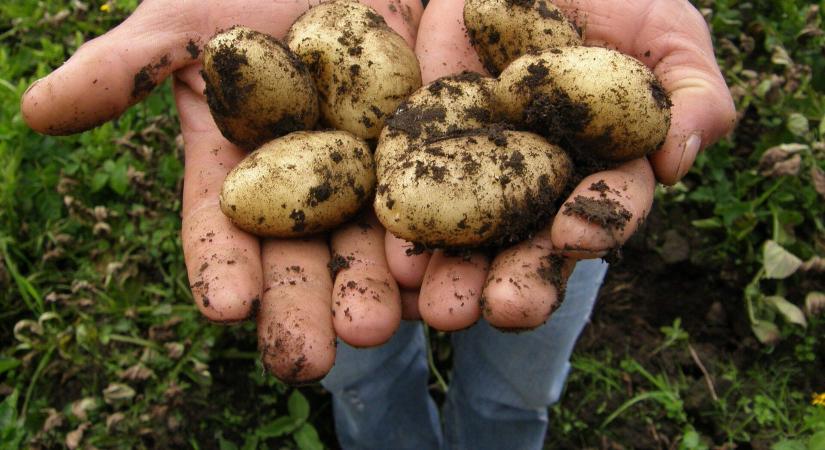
(31, 86)
(689, 152)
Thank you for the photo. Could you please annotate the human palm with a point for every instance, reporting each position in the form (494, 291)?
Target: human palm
(233, 274)
(521, 286)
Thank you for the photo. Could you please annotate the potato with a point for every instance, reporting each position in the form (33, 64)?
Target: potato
(490, 186)
(443, 108)
(256, 88)
(596, 102)
(299, 184)
(503, 30)
(362, 68)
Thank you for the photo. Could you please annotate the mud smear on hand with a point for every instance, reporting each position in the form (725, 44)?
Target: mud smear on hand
(336, 264)
(145, 79)
(605, 212)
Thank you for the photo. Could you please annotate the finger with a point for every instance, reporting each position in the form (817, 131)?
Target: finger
(108, 74)
(450, 294)
(366, 301)
(443, 46)
(525, 284)
(223, 262)
(116, 70)
(295, 333)
(604, 210)
(702, 111)
(409, 304)
(406, 263)
(403, 16)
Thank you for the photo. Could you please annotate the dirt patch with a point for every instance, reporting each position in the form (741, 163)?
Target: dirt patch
(336, 264)
(146, 78)
(605, 212)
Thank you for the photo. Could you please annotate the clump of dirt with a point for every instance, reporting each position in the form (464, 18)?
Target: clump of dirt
(336, 264)
(226, 93)
(605, 212)
(660, 95)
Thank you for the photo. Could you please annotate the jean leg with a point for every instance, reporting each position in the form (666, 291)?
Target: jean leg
(379, 395)
(503, 382)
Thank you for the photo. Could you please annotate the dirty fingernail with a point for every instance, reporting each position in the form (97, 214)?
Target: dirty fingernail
(691, 149)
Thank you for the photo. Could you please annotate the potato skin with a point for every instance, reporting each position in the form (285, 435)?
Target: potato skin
(446, 107)
(256, 88)
(598, 103)
(362, 68)
(485, 188)
(299, 184)
(503, 30)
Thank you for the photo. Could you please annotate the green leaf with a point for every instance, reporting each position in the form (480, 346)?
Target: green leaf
(766, 332)
(798, 124)
(707, 224)
(788, 310)
(98, 181)
(119, 178)
(8, 411)
(307, 438)
(778, 262)
(278, 427)
(7, 364)
(298, 406)
(788, 444)
(817, 441)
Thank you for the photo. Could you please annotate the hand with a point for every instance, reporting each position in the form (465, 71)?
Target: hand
(523, 284)
(233, 274)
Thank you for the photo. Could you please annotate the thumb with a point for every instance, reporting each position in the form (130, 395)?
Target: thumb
(703, 110)
(114, 71)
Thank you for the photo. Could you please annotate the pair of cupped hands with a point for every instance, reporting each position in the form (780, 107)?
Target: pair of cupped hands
(301, 304)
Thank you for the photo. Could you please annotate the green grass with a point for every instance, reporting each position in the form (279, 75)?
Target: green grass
(101, 342)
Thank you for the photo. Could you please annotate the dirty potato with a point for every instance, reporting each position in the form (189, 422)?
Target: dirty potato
(619, 115)
(443, 108)
(299, 184)
(256, 88)
(362, 68)
(503, 30)
(487, 187)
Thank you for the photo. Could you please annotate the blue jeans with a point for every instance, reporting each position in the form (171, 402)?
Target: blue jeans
(501, 387)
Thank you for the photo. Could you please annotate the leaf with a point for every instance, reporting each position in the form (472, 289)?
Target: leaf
(278, 427)
(818, 179)
(707, 224)
(766, 332)
(298, 406)
(73, 438)
(7, 364)
(778, 262)
(817, 441)
(798, 124)
(118, 392)
(814, 303)
(8, 411)
(788, 444)
(118, 178)
(780, 56)
(788, 310)
(98, 181)
(307, 438)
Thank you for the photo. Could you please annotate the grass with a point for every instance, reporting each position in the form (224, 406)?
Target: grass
(102, 346)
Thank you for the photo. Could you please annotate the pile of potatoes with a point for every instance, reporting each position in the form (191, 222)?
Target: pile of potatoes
(471, 161)
(341, 68)
(466, 161)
